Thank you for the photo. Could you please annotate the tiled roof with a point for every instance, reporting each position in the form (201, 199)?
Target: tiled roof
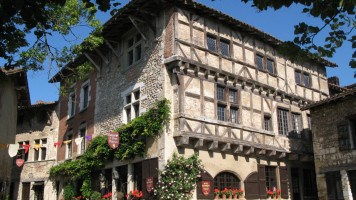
(334, 98)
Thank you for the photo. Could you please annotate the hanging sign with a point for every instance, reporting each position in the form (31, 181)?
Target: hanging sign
(113, 139)
(149, 184)
(19, 162)
(205, 187)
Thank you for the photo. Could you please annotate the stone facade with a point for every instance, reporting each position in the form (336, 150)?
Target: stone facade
(234, 100)
(331, 119)
(38, 125)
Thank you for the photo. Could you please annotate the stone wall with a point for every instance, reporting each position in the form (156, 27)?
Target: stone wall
(327, 155)
(118, 79)
(32, 170)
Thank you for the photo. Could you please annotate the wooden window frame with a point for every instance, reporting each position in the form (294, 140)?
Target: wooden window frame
(132, 48)
(132, 105)
(227, 43)
(264, 64)
(267, 123)
(301, 79)
(226, 180)
(283, 124)
(212, 38)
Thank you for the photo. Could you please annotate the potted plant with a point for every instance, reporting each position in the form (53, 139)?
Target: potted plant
(230, 193)
(134, 195)
(238, 193)
(225, 193)
(217, 193)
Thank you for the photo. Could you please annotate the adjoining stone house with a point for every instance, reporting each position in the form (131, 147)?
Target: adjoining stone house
(14, 93)
(334, 141)
(37, 125)
(235, 100)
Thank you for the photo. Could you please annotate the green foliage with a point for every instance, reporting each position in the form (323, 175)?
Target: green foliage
(338, 18)
(68, 192)
(47, 21)
(132, 143)
(95, 196)
(179, 176)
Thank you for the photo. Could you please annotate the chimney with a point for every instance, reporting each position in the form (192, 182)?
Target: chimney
(334, 80)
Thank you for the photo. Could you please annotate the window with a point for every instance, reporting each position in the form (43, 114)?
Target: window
(297, 125)
(43, 149)
(211, 42)
(271, 178)
(267, 123)
(38, 188)
(85, 96)
(220, 93)
(226, 180)
(224, 48)
(42, 116)
(302, 78)
(221, 112)
(82, 134)
(347, 133)
(71, 105)
(283, 122)
(134, 49)
(259, 61)
(69, 146)
(227, 108)
(21, 153)
(309, 122)
(132, 105)
(232, 96)
(233, 115)
(265, 63)
(334, 186)
(298, 77)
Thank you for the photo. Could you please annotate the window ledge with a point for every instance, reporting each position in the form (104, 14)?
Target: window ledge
(70, 117)
(83, 109)
(303, 85)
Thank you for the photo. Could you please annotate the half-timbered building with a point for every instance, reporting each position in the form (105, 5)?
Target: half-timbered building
(235, 101)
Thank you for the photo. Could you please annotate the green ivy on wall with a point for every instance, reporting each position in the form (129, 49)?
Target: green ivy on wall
(133, 137)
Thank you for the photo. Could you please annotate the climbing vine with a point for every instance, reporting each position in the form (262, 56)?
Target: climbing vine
(133, 137)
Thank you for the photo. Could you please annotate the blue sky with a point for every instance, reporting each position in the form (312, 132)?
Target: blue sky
(277, 23)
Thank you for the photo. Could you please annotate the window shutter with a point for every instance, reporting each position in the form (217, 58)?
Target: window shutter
(262, 181)
(252, 186)
(149, 169)
(284, 182)
(205, 177)
(81, 102)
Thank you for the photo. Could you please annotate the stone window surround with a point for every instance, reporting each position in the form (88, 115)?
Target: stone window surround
(130, 91)
(81, 103)
(40, 150)
(81, 127)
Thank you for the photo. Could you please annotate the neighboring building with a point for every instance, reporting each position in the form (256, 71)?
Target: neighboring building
(235, 100)
(37, 124)
(13, 94)
(334, 141)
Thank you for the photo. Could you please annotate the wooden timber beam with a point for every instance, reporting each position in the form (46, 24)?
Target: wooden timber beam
(293, 156)
(136, 26)
(117, 54)
(92, 61)
(306, 158)
(226, 147)
(270, 153)
(238, 149)
(106, 60)
(182, 141)
(199, 143)
(249, 150)
(214, 145)
(281, 155)
(260, 151)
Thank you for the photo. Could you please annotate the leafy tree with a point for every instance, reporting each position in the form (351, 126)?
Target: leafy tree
(338, 19)
(48, 21)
